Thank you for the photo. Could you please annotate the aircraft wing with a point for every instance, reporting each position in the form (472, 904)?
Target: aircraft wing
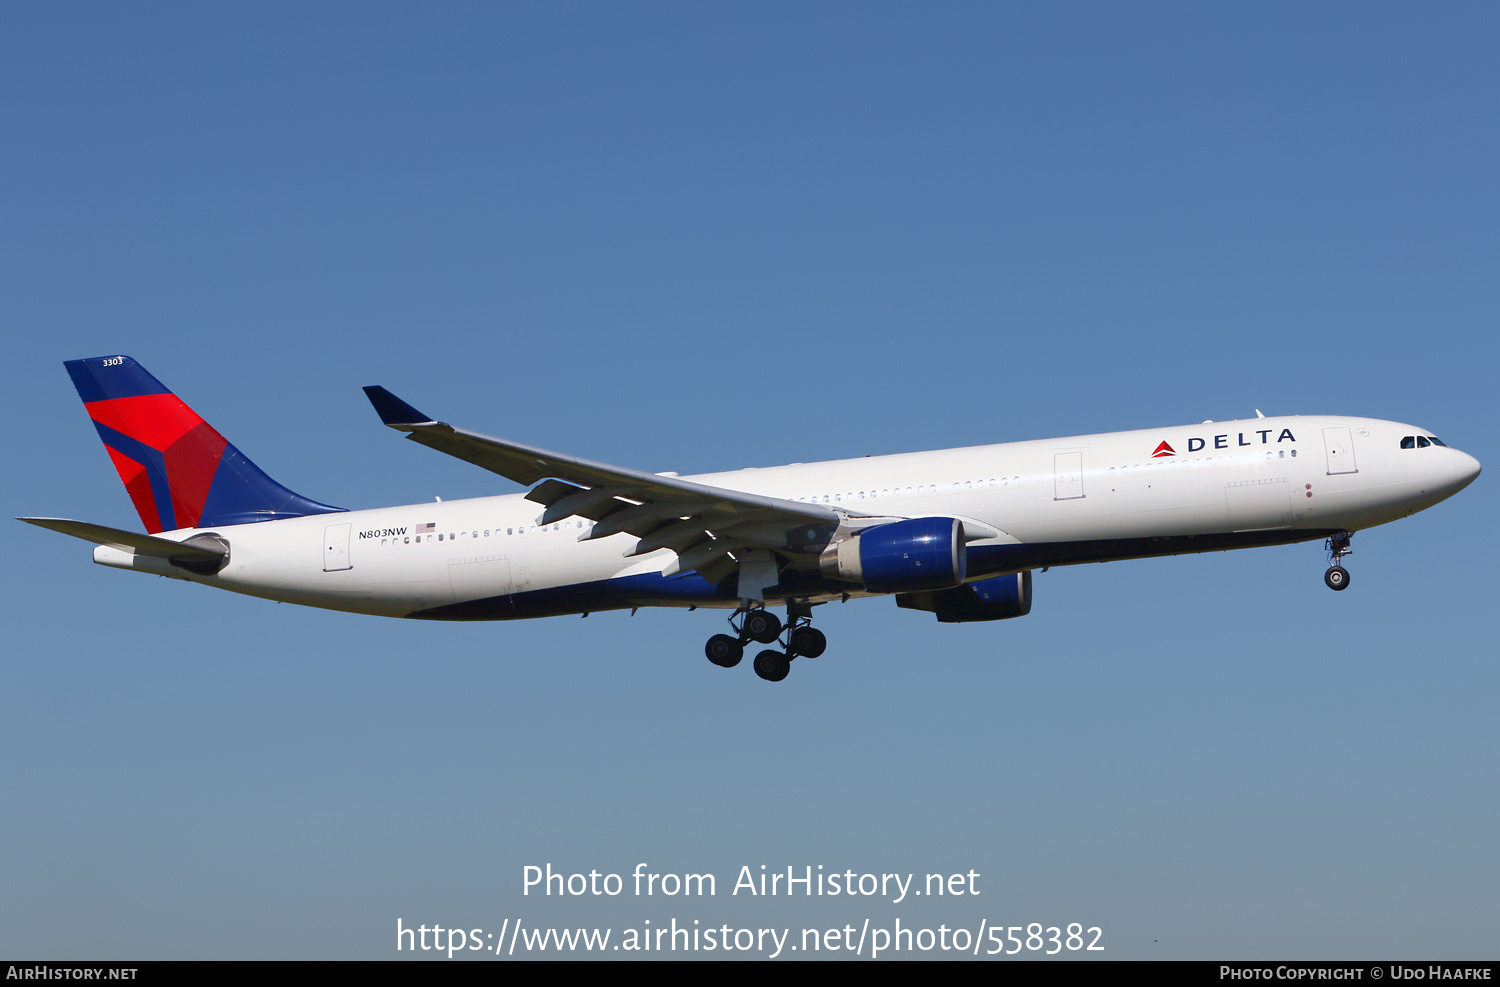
(702, 524)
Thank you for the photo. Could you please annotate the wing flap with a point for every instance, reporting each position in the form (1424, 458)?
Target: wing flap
(551, 492)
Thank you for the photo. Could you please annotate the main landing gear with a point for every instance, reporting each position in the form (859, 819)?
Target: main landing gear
(755, 623)
(1337, 577)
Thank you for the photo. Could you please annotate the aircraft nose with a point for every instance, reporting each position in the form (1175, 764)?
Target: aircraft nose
(1465, 468)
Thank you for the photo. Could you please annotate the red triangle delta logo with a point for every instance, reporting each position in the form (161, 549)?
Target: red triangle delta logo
(1163, 450)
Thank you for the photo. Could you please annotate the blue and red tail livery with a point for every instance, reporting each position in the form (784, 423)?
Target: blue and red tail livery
(179, 471)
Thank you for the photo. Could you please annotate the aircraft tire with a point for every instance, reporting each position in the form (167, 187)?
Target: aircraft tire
(808, 642)
(724, 650)
(772, 666)
(763, 626)
(1337, 577)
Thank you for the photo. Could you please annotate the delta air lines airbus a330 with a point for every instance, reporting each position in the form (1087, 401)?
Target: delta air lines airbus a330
(956, 533)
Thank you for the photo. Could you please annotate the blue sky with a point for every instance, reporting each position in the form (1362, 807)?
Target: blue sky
(693, 238)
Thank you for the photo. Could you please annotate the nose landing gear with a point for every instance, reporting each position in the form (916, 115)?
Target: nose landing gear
(755, 623)
(1337, 577)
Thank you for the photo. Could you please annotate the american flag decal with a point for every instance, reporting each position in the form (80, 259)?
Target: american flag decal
(423, 528)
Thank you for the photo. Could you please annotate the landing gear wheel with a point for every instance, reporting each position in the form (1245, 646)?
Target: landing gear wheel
(772, 665)
(763, 626)
(807, 642)
(1337, 546)
(724, 650)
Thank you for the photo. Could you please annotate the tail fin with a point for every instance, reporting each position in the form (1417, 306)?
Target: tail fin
(179, 472)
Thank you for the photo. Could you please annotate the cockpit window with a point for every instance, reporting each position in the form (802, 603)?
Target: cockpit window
(1437, 441)
(1422, 442)
(1409, 442)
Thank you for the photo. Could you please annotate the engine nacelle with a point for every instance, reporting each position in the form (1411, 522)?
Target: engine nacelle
(925, 553)
(999, 598)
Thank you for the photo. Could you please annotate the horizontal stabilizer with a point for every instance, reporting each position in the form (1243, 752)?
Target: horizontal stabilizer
(128, 541)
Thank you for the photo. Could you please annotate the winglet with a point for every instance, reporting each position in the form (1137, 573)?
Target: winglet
(394, 411)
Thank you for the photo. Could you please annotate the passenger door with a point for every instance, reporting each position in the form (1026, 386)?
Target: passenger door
(336, 548)
(1067, 480)
(1338, 444)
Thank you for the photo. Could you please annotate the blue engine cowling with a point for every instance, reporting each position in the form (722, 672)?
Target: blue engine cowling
(925, 553)
(999, 598)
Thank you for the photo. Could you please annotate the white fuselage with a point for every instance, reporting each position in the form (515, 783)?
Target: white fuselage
(1051, 502)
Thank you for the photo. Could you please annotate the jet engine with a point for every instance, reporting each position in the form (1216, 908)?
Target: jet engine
(999, 598)
(925, 553)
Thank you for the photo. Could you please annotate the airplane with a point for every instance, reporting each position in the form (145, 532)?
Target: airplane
(956, 533)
